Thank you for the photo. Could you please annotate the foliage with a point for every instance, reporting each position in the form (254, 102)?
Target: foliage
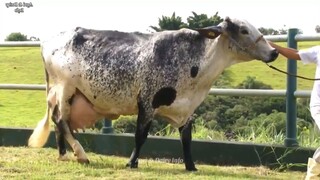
(251, 83)
(220, 116)
(271, 31)
(224, 80)
(33, 38)
(268, 31)
(127, 124)
(169, 23)
(196, 21)
(202, 20)
(223, 111)
(249, 117)
(16, 36)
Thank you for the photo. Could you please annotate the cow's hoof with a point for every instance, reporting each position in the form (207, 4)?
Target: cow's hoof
(83, 161)
(192, 168)
(132, 165)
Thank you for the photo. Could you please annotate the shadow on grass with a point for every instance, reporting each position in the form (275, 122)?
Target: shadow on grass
(173, 169)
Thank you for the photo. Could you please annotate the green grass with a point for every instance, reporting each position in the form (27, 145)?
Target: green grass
(21, 66)
(29, 163)
(274, 78)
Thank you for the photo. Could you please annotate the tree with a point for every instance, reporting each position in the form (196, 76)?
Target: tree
(196, 21)
(169, 23)
(317, 29)
(16, 36)
(251, 83)
(224, 80)
(283, 31)
(268, 31)
(271, 31)
(33, 38)
(202, 20)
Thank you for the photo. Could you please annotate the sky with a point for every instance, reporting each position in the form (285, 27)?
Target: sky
(48, 17)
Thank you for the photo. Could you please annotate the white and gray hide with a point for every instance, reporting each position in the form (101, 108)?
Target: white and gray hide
(97, 73)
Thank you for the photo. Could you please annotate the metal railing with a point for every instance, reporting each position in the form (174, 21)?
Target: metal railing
(20, 44)
(290, 93)
(213, 91)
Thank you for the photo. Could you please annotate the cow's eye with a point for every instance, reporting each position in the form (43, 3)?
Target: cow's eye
(244, 31)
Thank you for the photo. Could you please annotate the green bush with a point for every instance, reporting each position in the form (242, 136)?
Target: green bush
(125, 124)
(16, 37)
(259, 119)
(128, 124)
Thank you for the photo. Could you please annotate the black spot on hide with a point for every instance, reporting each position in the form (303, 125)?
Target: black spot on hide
(232, 27)
(164, 96)
(194, 71)
(95, 97)
(79, 39)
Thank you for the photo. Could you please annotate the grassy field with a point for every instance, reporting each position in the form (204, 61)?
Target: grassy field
(21, 66)
(24, 66)
(269, 76)
(28, 163)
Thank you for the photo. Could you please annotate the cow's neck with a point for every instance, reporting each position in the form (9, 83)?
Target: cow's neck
(217, 59)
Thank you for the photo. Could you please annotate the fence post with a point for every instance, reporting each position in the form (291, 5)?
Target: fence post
(107, 126)
(291, 108)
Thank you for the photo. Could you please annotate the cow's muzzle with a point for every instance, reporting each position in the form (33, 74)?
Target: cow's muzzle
(273, 56)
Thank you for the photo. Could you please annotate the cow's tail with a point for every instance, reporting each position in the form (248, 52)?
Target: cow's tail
(41, 133)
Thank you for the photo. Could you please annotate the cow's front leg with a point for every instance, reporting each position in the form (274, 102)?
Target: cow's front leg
(186, 137)
(142, 130)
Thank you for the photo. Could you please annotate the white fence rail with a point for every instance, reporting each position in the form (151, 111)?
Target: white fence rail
(20, 44)
(214, 91)
(274, 38)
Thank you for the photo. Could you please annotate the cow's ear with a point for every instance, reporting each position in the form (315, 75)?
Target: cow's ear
(210, 32)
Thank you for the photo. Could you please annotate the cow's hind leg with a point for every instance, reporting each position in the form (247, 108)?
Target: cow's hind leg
(75, 145)
(63, 132)
(186, 137)
(59, 134)
(142, 130)
(65, 101)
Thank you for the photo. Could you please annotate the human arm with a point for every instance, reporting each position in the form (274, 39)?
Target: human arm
(289, 53)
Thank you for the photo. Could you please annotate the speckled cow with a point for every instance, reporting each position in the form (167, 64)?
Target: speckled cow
(113, 73)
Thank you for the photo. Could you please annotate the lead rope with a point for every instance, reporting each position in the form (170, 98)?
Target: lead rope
(290, 74)
(272, 67)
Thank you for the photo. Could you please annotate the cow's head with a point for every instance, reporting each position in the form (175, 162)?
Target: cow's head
(243, 39)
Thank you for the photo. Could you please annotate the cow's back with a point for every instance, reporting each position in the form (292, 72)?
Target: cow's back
(101, 64)
(111, 69)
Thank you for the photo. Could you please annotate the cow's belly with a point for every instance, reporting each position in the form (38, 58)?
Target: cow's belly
(113, 110)
(183, 107)
(106, 97)
(109, 101)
